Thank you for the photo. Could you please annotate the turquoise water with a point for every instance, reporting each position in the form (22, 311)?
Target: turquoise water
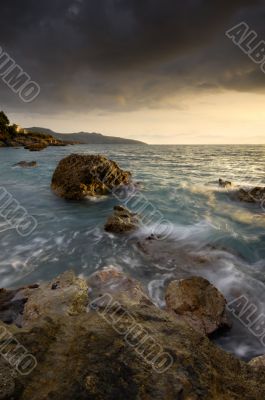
(180, 182)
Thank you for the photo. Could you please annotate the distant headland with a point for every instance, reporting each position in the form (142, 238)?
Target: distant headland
(85, 137)
(36, 138)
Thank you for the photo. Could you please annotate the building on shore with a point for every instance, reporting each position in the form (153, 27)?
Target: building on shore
(19, 129)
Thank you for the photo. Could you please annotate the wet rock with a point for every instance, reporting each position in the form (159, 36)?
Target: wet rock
(65, 295)
(122, 287)
(130, 350)
(258, 362)
(36, 146)
(79, 176)
(123, 220)
(26, 164)
(199, 303)
(224, 184)
(69, 298)
(254, 195)
(55, 286)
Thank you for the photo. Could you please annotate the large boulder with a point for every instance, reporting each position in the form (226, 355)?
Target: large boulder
(199, 303)
(122, 221)
(78, 176)
(118, 347)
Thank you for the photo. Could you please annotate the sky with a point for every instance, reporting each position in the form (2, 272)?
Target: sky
(161, 71)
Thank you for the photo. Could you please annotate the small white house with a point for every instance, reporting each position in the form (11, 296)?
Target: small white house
(20, 130)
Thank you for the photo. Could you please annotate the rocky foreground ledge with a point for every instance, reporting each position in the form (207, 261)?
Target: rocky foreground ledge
(102, 338)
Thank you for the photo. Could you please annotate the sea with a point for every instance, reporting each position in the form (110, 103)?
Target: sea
(212, 235)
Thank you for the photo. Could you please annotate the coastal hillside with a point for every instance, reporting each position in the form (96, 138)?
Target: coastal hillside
(86, 137)
(14, 136)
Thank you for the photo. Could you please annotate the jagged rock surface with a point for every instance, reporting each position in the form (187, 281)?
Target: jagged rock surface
(122, 221)
(83, 353)
(199, 303)
(258, 362)
(78, 176)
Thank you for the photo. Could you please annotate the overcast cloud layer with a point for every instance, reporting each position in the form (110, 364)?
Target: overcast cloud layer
(127, 54)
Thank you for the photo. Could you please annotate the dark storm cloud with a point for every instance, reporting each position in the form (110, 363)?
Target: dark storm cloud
(127, 54)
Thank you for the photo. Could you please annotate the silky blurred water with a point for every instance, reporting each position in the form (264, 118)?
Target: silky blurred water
(181, 182)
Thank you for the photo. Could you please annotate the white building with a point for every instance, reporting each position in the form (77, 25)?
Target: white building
(20, 130)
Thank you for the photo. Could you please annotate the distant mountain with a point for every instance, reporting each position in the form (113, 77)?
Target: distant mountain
(85, 137)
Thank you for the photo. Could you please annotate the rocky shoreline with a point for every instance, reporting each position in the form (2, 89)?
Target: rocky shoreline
(31, 141)
(103, 338)
(15, 136)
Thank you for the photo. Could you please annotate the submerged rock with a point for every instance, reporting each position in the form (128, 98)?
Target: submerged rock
(26, 164)
(174, 256)
(78, 176)
(120, 347)
(199, 303)
(123, 220)
(254, 195)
